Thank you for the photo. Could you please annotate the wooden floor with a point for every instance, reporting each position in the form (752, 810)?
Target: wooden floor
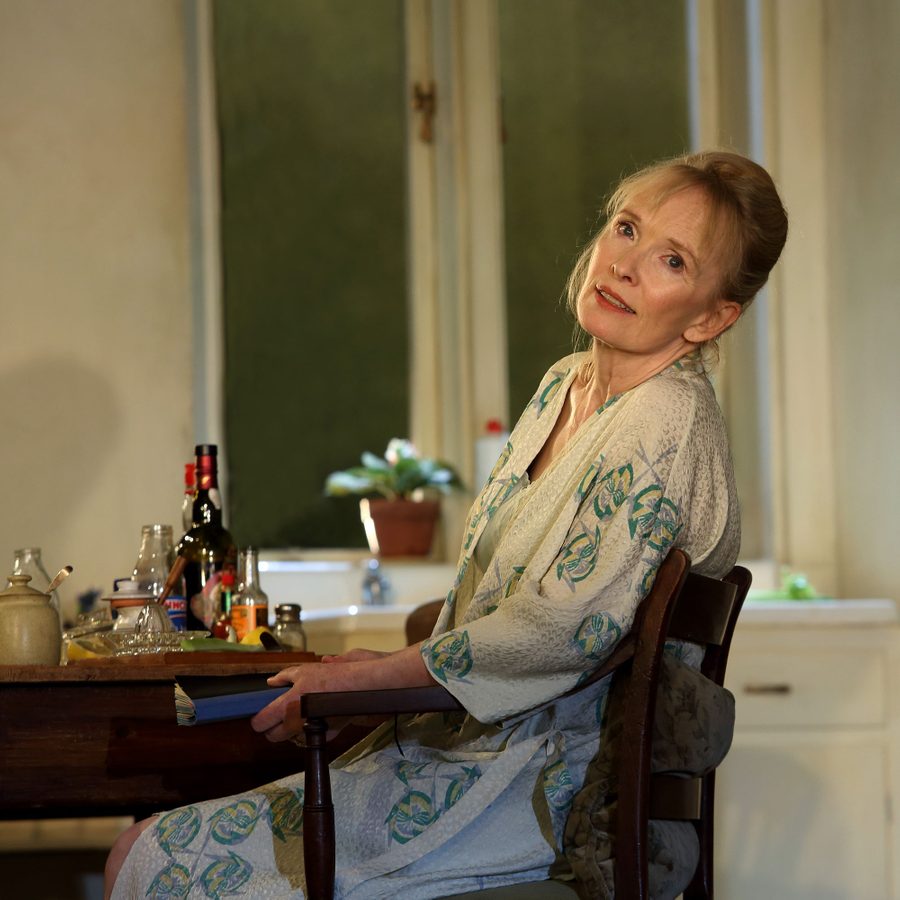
(53, 875)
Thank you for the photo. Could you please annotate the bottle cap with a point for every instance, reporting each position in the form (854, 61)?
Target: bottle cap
(228, 578)
(190, 474)
(493, 426)
(206, 466)
(288, 610)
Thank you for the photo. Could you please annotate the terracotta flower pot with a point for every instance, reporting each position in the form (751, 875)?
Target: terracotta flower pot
(399, 527)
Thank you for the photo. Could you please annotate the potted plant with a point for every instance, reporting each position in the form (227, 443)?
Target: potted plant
(399, 505)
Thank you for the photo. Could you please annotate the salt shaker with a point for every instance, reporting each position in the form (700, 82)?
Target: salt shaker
(288, 627)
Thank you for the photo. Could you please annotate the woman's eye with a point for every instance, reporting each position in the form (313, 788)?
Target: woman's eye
(675, 262)
(625, 228)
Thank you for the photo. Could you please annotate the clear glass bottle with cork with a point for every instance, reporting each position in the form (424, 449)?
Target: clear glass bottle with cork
(250, 605)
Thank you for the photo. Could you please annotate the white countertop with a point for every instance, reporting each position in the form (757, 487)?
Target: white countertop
(818, 612)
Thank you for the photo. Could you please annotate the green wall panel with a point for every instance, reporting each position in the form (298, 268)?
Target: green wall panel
(592, 89)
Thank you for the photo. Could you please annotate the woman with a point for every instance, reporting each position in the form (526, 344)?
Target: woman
(621, 454)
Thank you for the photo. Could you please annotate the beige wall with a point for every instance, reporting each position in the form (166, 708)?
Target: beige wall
(95, 324)
(863, 168)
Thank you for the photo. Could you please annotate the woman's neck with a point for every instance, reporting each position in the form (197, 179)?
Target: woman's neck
(612, 372)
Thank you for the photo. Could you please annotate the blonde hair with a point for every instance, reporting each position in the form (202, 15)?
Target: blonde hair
(746, 229)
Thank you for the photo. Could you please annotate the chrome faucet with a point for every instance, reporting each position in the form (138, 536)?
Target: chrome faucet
(376, 589)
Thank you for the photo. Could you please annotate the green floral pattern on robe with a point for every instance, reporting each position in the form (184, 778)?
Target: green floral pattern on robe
(456, 802)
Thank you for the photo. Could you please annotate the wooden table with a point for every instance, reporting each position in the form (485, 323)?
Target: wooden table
(100, 738)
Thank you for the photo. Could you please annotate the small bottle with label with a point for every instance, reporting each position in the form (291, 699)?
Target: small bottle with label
(250, 606)
(223, 628)
(289, 627)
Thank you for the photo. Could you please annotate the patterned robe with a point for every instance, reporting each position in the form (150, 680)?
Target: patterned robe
(445, 803)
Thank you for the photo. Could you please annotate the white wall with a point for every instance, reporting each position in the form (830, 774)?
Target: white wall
(863, 167)
(95, 323)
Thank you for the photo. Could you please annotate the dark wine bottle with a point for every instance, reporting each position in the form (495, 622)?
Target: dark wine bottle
(207, 546)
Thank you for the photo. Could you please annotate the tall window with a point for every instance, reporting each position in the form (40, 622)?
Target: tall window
(312, 131)
(312, 102)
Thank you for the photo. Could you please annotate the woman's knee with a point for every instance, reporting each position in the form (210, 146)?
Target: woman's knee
(120, 850)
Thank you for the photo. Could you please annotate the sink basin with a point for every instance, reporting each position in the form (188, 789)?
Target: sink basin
(335, 584)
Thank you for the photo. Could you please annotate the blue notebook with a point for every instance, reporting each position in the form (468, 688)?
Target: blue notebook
(214, 698)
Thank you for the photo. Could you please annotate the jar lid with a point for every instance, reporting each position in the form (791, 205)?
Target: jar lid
(19, 587)
(288, 610)
(127, 593)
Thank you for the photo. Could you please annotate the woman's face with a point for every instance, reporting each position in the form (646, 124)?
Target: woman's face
(651, 283)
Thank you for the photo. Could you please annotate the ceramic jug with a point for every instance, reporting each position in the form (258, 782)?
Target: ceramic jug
(29, 626)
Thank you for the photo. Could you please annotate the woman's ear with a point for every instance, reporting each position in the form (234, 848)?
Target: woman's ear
(722, 315)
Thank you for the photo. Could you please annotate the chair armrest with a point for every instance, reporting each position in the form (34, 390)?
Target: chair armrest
(432, 698)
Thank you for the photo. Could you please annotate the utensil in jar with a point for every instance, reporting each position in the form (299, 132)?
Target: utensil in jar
(174, 574)
(153, 618)
(61, 576)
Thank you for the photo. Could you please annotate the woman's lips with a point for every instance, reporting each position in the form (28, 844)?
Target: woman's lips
(612, 301)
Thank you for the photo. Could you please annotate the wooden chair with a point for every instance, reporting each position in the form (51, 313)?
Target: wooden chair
(682, 605)
(421, 621)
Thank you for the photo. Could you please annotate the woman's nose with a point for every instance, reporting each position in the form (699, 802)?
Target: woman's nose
(624, 268)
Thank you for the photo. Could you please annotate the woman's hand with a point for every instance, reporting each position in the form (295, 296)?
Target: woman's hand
(355, 670)
(280, 720)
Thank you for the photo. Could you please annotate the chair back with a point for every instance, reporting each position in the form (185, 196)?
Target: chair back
(421, 621)
(686, 606)
(680, 604)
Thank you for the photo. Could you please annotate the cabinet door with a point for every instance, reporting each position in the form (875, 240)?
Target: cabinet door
(803, 815)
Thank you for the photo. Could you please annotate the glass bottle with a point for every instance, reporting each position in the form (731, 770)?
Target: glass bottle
(250, 607)
(151, 570)
(289, 626)
(154, 558)
(207, 546)
(187, 503)
(27, 561)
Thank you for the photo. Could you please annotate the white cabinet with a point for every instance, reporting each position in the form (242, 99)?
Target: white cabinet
(803, 806)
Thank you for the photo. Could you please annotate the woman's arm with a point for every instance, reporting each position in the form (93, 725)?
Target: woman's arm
(405, 668)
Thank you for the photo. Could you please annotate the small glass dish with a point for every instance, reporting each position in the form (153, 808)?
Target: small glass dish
(127, 643)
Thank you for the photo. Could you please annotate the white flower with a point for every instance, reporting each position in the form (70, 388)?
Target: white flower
(400, 448)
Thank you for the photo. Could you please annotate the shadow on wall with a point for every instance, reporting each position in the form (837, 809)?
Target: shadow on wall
(58, 425)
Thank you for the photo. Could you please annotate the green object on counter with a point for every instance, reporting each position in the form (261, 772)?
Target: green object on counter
(798, 587)
(219, 644)
(794, 586)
